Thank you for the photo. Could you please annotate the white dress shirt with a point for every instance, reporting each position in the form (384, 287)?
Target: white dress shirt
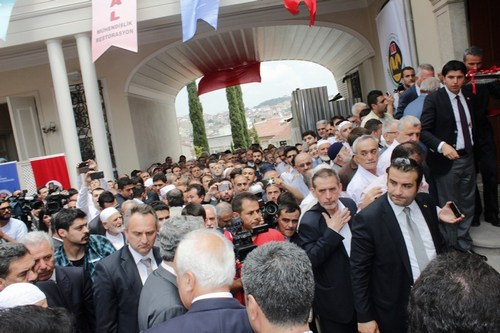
(143, 271)
(423, 229)
(361, 179)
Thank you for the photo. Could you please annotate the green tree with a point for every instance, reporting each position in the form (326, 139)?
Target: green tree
(241, 105)
(237, 131)
(254, 135)
(200, 140)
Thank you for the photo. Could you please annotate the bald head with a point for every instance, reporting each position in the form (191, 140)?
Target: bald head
(303, 162)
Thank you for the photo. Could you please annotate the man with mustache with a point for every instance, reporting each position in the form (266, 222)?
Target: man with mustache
(79, 248)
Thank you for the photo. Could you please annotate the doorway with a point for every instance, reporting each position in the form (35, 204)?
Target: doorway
(8, 148)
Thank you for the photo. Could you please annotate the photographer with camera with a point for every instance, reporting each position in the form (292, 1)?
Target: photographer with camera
(250, 233)
(93, 180)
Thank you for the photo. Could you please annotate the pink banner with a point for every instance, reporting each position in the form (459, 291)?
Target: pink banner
(114, 23)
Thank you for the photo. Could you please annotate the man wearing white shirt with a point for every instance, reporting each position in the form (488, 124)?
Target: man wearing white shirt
(113, 224)
(393, 239)
(325, 235)
(408, 130)
(204, 264)
(160, 299)
(119, 278)
(365, 150)
(11, 229)
(449, 131)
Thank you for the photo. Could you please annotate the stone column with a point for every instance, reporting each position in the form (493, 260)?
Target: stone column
(64, 107)
(94, 106)
(452, 28)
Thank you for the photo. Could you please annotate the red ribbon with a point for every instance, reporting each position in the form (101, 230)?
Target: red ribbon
(472, 74)
(293, 7)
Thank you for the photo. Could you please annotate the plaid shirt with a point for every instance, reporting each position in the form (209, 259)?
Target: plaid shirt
(97, 248)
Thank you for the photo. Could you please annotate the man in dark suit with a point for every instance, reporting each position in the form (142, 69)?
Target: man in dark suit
(205, 270)
(160, 299)
(279, 287)
(119, 278)
(393, 239)
(487, 151)
(423, 72)
(66, 287)
(448, 130)
(325, 235)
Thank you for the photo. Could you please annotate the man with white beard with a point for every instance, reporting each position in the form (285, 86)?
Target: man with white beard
(113, 223)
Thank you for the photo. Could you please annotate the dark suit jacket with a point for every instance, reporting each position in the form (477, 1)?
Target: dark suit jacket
(215, 315)
(159, 300)
(438, 124)
(480, 101)
(96, 227)
(117, 288)
(381, 271)
(408, 96)
(330, 262)
(72, 291)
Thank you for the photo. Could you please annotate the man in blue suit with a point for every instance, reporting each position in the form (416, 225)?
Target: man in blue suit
(205, 270)
(423, 72)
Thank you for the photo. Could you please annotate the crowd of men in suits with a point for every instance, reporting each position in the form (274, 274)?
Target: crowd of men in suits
(347, 231)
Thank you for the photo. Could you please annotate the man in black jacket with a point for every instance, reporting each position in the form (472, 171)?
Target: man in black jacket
(325, 235)
(67, 287)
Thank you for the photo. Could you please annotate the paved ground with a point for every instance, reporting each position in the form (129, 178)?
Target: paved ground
(487, 240)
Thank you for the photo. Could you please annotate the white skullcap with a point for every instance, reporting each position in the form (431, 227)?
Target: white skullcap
(18, 294)
(165, 189)
(107, 213)
(322, 142)
(342, 124)
(148, 182)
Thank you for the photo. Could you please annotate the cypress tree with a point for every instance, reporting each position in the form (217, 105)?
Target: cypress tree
(200, 140)
(241, 105)
(238, 135)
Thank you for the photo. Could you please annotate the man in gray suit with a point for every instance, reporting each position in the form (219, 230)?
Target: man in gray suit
(160, 299)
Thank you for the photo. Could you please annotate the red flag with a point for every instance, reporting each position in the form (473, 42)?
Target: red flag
(293, 7)
(229, 77)
(50, 168)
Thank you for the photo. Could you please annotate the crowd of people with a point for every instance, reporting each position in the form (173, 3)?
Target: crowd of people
(361, 227)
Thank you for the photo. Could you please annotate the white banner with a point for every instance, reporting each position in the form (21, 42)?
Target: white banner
(114, 23)
(393, 40)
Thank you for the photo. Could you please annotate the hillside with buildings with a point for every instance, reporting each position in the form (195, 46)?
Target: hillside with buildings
(269, 119)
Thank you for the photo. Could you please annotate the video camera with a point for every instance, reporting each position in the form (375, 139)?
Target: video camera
(269, 210)
(23, 204)
(242, 238)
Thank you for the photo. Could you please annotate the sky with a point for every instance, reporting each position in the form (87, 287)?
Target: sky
(279, 78)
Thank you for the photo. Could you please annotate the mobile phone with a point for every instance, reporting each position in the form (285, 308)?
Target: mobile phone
(97, 175)
(223, 187)
(455, 210)
(83, 167)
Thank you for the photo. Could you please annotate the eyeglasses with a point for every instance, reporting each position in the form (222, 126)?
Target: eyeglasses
(6, 208)
(401, 161)
(303, 165)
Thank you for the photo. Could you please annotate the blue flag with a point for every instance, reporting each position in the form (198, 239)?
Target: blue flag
(9, 178)
(5, 11)
(192, 10)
